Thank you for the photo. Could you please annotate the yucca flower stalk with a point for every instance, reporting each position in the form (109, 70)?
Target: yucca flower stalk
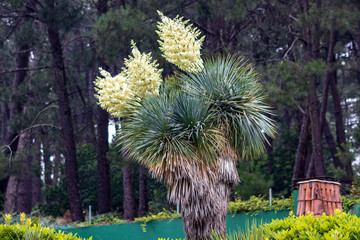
(112, 92)
(142, 73)
(180, 43)
(139, 77)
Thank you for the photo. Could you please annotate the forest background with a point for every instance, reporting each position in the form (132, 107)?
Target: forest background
(54, 137)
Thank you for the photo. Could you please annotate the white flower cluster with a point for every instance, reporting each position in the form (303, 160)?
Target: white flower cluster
(139, 77)
(142, 73)
(179, 43)
(112, 92)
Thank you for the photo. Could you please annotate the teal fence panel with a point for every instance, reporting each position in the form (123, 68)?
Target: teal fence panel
(167, 228)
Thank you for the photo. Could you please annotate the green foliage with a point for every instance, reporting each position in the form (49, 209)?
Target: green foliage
(340, 226)
(252, 232)
(348, 201)
(230, 85)
(253, 179)
(115, 28)
(87, 162)
(108, 218)
(57, 197)
(27, 230)
(258, 204)
(165, 214)
(57, 200)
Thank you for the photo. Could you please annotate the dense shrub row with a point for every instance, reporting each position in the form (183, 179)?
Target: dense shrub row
(27, 230)
(341, 226)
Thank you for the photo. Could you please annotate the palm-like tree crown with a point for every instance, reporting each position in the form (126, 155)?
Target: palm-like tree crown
(231, 87)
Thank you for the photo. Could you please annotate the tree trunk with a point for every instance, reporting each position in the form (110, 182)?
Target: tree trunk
(129, 192)
(204, 201)
(22, 62)
(317, 153)
(301, 152)
(332, 146)
(24, 194)
(72, 176)
(340, 129)
(103, 165)
(143, 203)
(11, 193)
(104, 187)
(36, 191)
(46, 156)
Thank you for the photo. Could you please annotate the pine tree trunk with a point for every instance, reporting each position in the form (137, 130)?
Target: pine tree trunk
(317, 153)
(129, 192)
(24, 194)
(103, 165)
(143, 203)
(301, 152)
(340, 129)
(332, 146)
(72, 176)
(11, 194)
(104, 187)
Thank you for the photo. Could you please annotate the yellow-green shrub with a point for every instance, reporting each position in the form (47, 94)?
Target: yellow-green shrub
(340, 226)
(27, 230)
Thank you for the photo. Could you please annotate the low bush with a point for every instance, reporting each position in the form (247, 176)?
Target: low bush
(340, 226)
(259, 204)
(28, 230)
(164, 214)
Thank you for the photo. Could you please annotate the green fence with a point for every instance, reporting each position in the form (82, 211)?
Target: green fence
(167, 228)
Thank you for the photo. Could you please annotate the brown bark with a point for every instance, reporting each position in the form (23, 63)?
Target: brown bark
(24, 194)
(72, 177)
(329, 75)
(317, 153)
(103, 174)
(301, 151)
(36, 191)
(332, 146)
(143, 202)
(22, 62)
(103, 165)
(129, 192)
(4, 123)
(340, 128)
(311, 36)
(11, 193)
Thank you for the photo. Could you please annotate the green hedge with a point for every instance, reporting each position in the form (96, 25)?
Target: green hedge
(340, 226)
(27, 230)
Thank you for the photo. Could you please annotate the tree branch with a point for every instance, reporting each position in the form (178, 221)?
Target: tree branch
(291, 47)
(25, 69)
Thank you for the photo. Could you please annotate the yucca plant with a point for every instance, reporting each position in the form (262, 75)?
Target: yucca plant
(192, 138)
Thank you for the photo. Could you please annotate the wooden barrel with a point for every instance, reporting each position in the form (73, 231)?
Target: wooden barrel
(318, 197)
